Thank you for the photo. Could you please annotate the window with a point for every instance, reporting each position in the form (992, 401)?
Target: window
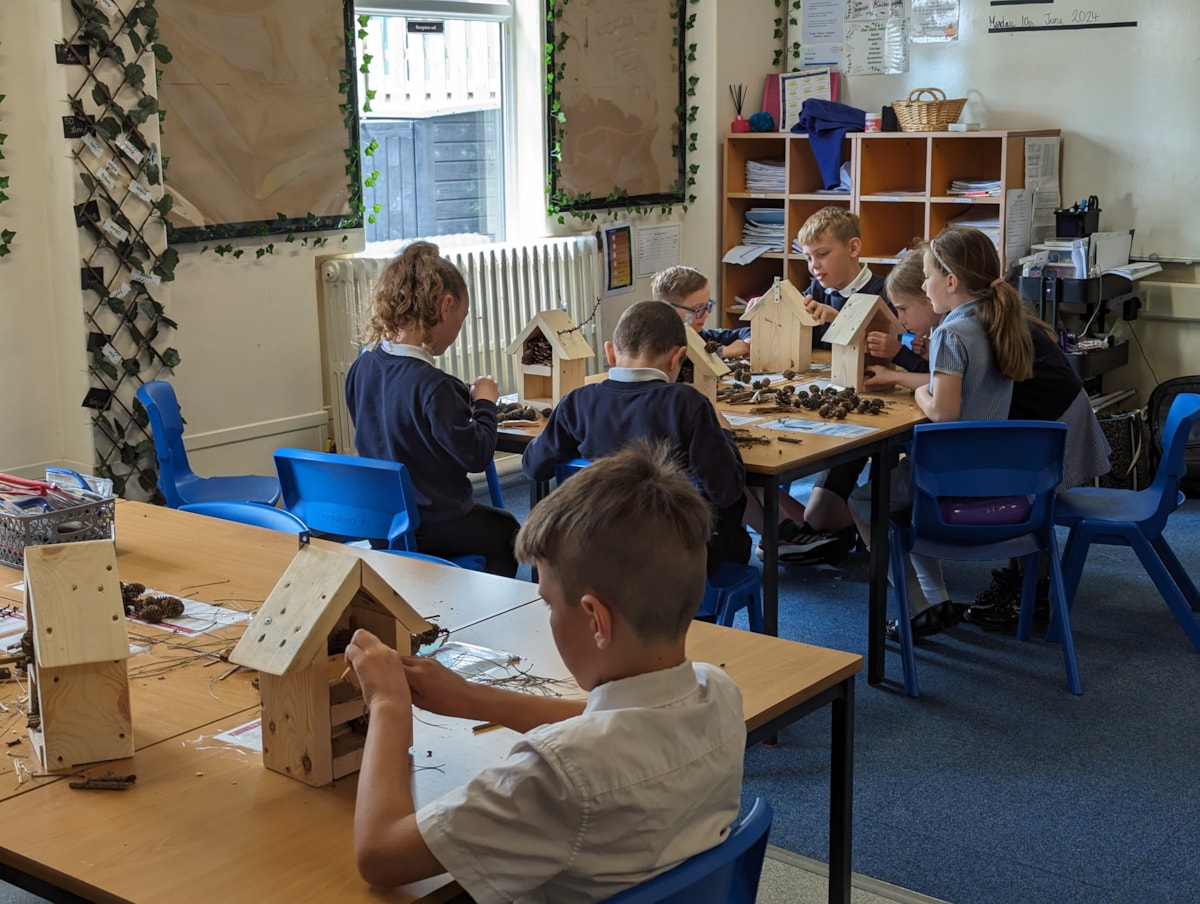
(438, 118)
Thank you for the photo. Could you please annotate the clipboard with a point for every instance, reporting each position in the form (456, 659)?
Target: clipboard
(797, 87)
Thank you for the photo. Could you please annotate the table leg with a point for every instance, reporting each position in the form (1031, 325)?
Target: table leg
(770, 541)
(841, 794)
(881, 488)
(538, 490)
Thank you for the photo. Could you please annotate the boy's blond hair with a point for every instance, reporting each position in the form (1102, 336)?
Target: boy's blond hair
(840, 223)
(675, 284)
(631, 530)
(648, 329)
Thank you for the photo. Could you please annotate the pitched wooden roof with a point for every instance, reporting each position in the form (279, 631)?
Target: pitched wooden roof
(704, 361)
(73, 596)
(294, 623)
(855, 318)
(556, 325)
(790, 300)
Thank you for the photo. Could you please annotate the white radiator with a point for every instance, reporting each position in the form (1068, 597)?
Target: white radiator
(508, 284)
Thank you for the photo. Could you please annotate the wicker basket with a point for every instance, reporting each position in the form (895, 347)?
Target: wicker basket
(916, 115)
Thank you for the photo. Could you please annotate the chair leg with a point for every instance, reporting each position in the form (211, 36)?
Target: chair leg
(1073, 557)
(903, 623)
(1028, 592)
(1062, 619)
(754, 612)
(1166, 586)
(1182, 579)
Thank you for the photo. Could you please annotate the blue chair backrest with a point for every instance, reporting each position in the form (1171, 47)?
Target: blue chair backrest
(725, 874)
(1173, 467)
(349, 496)
(565, 469)
(985, 459)
(166, 427)
(253, 513)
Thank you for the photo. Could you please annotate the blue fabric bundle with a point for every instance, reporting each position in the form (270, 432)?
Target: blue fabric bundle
(827, 123)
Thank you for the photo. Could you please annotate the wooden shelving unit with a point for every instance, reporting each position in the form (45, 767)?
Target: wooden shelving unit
(901, 183)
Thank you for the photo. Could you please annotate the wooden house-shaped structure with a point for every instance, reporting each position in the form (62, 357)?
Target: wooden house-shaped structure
(702, 368)
(861, 314)
(549, 358)
(311, 714)
(78, 681)
(780, 330)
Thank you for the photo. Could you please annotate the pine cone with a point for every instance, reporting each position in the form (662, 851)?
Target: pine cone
(151, 612)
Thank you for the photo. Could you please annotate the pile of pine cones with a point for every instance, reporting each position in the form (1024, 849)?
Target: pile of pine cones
(834, 403)
(515, 411)
(537, 351)
(740, 371)
(152, 609)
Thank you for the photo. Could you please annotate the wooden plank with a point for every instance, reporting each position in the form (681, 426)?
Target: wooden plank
(391, 600)
(348, 754)
(296, 726)
(76, 601)
(85, 715)
(341, 713)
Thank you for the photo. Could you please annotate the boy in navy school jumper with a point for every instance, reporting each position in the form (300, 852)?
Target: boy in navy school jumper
(686, 290)
(641, 400)
(405, 409)
(822, 532)
(597, 796)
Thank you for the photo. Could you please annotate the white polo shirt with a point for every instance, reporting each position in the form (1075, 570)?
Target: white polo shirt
(647, 776)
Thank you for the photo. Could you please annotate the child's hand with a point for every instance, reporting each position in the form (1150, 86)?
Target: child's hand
(738, 348)
(485, 388)
(822, 313)
(878, 377)
(920, 346)
(883, 345)
(379, 671)
(437, 689)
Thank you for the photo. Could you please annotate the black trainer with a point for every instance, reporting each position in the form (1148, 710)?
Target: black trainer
(1006, 584)
(833, 549)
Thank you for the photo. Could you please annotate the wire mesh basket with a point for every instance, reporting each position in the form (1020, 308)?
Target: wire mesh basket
(91, 520)
(933, 115)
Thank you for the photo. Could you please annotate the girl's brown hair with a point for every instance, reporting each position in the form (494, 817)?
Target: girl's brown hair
(971, 256)
(907, 278)
(409, 290)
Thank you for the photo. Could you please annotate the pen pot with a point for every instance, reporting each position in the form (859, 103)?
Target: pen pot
(1076, 223)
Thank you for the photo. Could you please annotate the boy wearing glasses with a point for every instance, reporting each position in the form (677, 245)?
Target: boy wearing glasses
(686, 290)
(642, 400)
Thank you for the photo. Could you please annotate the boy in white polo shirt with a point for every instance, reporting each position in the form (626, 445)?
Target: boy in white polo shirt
(594, 798)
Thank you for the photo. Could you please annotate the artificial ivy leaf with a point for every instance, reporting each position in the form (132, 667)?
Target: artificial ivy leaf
(129, 455)
(152, 174)
(131, 366)
(108, 368)
(147, 480)
(113, 52)
(164, 205)
(150, 308)
(116, 306)
(108, 128)
(135, 41)
(140, 417)
(167, 321)
(100, 94)
(171, 358)
(149, 15)
(167, 261)
(162, 54)
(135, 75)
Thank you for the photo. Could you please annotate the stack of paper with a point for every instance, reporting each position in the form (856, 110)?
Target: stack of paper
(766, 176)
(974, 188)
(764, 226)
(984, 218)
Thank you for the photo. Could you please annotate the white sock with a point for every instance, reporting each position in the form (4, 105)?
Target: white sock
(933, 584)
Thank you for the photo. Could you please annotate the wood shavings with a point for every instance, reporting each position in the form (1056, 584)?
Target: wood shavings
(744, 438)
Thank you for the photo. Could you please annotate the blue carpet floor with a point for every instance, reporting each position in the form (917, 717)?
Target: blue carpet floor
(997, 785)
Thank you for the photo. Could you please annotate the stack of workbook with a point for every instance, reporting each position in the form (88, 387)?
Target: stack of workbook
(764, 226)
(767, 176)
(985, 218)
(975, 187)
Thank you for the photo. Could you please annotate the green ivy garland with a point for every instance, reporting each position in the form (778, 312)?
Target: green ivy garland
(126, 323)
(6, 235)
(559, 202)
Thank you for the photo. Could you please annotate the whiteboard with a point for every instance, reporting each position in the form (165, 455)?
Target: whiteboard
(1126, 99)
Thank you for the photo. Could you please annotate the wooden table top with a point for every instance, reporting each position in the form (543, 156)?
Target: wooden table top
(900, 414)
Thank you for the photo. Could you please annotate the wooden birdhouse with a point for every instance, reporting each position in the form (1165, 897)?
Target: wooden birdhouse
(78, 681)
(780, 330)
(702, 368)
(550, 358)
(861, 314)
(312, 726)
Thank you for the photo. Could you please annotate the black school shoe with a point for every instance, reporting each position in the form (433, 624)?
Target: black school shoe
(927, 622)
(1003, 615)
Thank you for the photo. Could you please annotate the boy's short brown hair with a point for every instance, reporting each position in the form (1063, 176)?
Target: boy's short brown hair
(631, 530)
(840, 223)
(675, 284)
(648, 329)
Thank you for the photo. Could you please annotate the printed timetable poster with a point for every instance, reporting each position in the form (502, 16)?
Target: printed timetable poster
(618, 259)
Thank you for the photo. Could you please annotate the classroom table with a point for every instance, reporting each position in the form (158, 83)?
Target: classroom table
(779, 463)
(205, 820)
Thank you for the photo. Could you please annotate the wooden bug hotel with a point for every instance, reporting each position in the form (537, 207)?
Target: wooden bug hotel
(861, 314)
(312, 716)
(76, 651)
(780, 330)
(701, 367)
(550, 358)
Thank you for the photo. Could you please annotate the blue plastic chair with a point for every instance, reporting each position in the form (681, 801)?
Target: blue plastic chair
(354, 498)
(420, 556)
(733, 587)
(1136, 519)
(253, 513)
(725, 874)
(1018, 464)
(179, 485)
(493, 483)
